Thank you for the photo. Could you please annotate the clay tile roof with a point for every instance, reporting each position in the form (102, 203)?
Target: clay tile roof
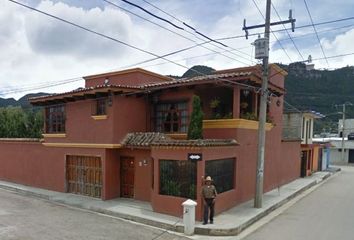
(196, 143)
(143, 139)
(148, 139)
(199, 78)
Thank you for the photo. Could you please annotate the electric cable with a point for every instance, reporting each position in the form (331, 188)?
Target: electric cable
(178, 34)
(314, 28)
(287, 32)
(281, 45)
(194, 29)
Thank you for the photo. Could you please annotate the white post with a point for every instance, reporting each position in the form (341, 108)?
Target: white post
(189, 216)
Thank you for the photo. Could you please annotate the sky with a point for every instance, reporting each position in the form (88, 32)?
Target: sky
(37, 51)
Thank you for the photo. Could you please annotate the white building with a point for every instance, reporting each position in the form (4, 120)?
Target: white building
(348, 127)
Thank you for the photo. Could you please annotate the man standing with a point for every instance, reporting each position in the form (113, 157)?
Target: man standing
(208, 194)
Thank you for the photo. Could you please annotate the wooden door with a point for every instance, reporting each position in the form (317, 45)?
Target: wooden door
(127, 177)
(303, 163)
(84, 175)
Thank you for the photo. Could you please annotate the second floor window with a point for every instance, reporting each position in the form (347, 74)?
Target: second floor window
(171, 117)
(101, 106)
(55, 119)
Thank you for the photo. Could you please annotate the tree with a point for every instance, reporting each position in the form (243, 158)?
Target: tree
(195, 129)
(16, 122)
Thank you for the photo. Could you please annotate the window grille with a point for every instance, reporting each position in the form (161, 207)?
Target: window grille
(222, 172)
(178, 178)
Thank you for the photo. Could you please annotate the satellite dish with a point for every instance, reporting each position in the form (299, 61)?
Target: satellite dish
(106, 81)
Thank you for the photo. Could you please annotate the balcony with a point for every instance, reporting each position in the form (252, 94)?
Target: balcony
(237, 123)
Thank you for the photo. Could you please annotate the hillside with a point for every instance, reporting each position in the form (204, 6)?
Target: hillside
(23, 101)
(320, 90)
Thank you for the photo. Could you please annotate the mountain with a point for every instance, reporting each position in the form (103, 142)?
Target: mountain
(4, 102)
(197, 71)
(23, 101)
(321, 91)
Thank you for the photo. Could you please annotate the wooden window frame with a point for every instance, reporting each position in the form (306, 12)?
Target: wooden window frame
(55, 118)
(100, 107)
(175, 126)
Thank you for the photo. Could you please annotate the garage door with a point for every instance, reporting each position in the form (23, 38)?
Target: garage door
(84, 175)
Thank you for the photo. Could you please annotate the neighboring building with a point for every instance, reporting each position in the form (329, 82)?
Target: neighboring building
(348, 128)
(124, 135)
(299, 125)
(335, 143)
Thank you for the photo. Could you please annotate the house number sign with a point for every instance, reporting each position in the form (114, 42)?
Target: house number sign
(194, 156)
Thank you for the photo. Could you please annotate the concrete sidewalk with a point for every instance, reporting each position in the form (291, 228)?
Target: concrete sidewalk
(229, 223)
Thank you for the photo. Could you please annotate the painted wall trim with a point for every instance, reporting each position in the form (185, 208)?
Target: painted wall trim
(83, 145)
(234, 123)
(179, 136)
(99, 117)
(54, 135)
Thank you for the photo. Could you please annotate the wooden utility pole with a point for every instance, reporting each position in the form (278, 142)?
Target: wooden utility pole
(264, 97)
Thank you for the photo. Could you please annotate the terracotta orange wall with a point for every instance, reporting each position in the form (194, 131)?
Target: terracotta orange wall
(111, 175)
(143, 173)
(276, 77)
(315, 158)
(82, 128)
(129, 115)
(132, 78)
(172, 205)
(35, 165)
(142, 177)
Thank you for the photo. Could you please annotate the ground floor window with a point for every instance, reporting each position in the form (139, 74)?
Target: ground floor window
(178, 178)
(222, 172)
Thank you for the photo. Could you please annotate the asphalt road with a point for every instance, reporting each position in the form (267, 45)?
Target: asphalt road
(326, 213)
(27, 218)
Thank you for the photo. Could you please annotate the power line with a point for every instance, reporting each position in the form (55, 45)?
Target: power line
(178, 34)
(282, 30)
(193, 28)
(314, 28)
(187, 25)
(281, 45)
(123, 43)
(288, 33)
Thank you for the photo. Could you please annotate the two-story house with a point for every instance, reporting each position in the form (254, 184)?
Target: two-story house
(299, 125)
(124, 134)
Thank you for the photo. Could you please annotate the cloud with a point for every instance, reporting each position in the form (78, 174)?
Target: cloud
(52, 37)
(36, 49)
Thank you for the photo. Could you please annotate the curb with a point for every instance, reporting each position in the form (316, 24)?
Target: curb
(178, 226)
(237, 230)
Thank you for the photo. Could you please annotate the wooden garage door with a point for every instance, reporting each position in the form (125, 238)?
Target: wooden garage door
(84, 175)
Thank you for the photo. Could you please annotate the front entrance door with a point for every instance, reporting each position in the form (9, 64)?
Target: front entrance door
(303, 163)
(127, 177)
(84, 175)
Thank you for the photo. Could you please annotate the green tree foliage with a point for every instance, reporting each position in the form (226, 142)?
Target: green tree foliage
(16, 122)
(195, 130)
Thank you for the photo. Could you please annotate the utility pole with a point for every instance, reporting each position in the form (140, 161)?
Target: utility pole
(262, 117)
(264, 54)
(343, 129)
